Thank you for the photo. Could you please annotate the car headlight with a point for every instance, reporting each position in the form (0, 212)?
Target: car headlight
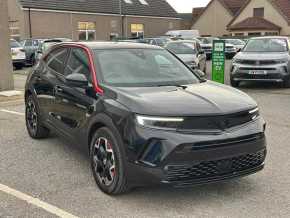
(167, 123)
(254, 113)
(236, 61)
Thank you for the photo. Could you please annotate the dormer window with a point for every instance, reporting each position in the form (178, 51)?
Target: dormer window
(128, 1)
(258, 12)
(143, 2)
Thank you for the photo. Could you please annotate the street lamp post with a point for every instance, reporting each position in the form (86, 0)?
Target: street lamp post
(121, 18)
(6, 76)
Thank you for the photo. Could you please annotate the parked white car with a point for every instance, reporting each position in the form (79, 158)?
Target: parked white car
(17, 54)
(184, 34)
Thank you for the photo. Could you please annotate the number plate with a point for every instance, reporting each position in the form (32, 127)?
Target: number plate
(258, 72)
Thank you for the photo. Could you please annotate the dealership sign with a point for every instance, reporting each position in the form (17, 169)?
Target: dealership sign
(218, 61)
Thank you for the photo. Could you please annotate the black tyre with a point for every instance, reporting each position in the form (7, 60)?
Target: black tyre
(204, 70)
(286, 83)
(32, 60)
(108, 162)
(18, 66)
(234, 83)
(34, 126)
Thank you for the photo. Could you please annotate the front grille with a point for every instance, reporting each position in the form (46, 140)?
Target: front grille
(217, 123)
(262, 77)
(258, 62)
(213, 169)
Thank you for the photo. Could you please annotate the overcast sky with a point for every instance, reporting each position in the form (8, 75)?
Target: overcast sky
(183, 6)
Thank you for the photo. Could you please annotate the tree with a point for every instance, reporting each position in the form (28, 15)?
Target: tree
(6, 76)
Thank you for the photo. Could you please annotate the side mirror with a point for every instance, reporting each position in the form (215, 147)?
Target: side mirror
(77, 80)
(238, 50)
(200, 73)
(201, 52)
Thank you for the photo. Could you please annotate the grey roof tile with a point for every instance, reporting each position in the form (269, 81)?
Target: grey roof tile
(158, 8)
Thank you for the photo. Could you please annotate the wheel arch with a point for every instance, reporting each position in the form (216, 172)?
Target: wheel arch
(101, 120)
(27, 94)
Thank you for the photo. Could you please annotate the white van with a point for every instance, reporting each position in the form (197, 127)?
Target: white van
(185, 34)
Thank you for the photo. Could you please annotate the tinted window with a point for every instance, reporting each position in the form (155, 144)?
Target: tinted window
(78, 62)
(266, 45)
(56, 59)
(147, 67)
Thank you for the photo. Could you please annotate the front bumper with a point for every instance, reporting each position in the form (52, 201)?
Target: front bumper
(18, 61)
(179, 159)
(273, 73)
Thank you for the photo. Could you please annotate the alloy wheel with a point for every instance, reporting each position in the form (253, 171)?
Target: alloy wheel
(104, 161)
(31, 115)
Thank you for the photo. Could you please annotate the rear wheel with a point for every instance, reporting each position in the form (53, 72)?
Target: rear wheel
(34, 126)
(108, 162)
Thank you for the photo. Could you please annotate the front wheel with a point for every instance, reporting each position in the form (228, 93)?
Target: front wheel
(234, 83)
(286, 83)
(35, 128)
(108, 162)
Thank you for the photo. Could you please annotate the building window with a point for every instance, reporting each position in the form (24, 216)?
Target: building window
(87, 31)
(258, 12)
(137, 30)
(128, 1)
(254, 34)
(239, 34)
(271, 33)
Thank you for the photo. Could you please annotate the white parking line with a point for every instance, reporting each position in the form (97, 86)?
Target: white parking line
(36, 202)
(12, 112)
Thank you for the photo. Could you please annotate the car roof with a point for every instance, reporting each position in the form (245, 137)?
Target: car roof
(113, 45)
(182, 41)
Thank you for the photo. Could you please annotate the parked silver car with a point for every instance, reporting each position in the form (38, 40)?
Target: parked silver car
(207, 42)
(190, 52)
(238, 43)
(262, 59)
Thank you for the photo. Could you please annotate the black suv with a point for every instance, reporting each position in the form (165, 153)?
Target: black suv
(143, 116)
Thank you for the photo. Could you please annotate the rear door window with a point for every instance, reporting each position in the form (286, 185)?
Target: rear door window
(56, 59)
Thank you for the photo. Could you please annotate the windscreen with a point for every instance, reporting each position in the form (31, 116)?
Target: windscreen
(142, 68)
(266, 45)
(181, 48)
(14, 44)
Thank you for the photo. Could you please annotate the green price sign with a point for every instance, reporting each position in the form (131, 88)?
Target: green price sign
(218, 61)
